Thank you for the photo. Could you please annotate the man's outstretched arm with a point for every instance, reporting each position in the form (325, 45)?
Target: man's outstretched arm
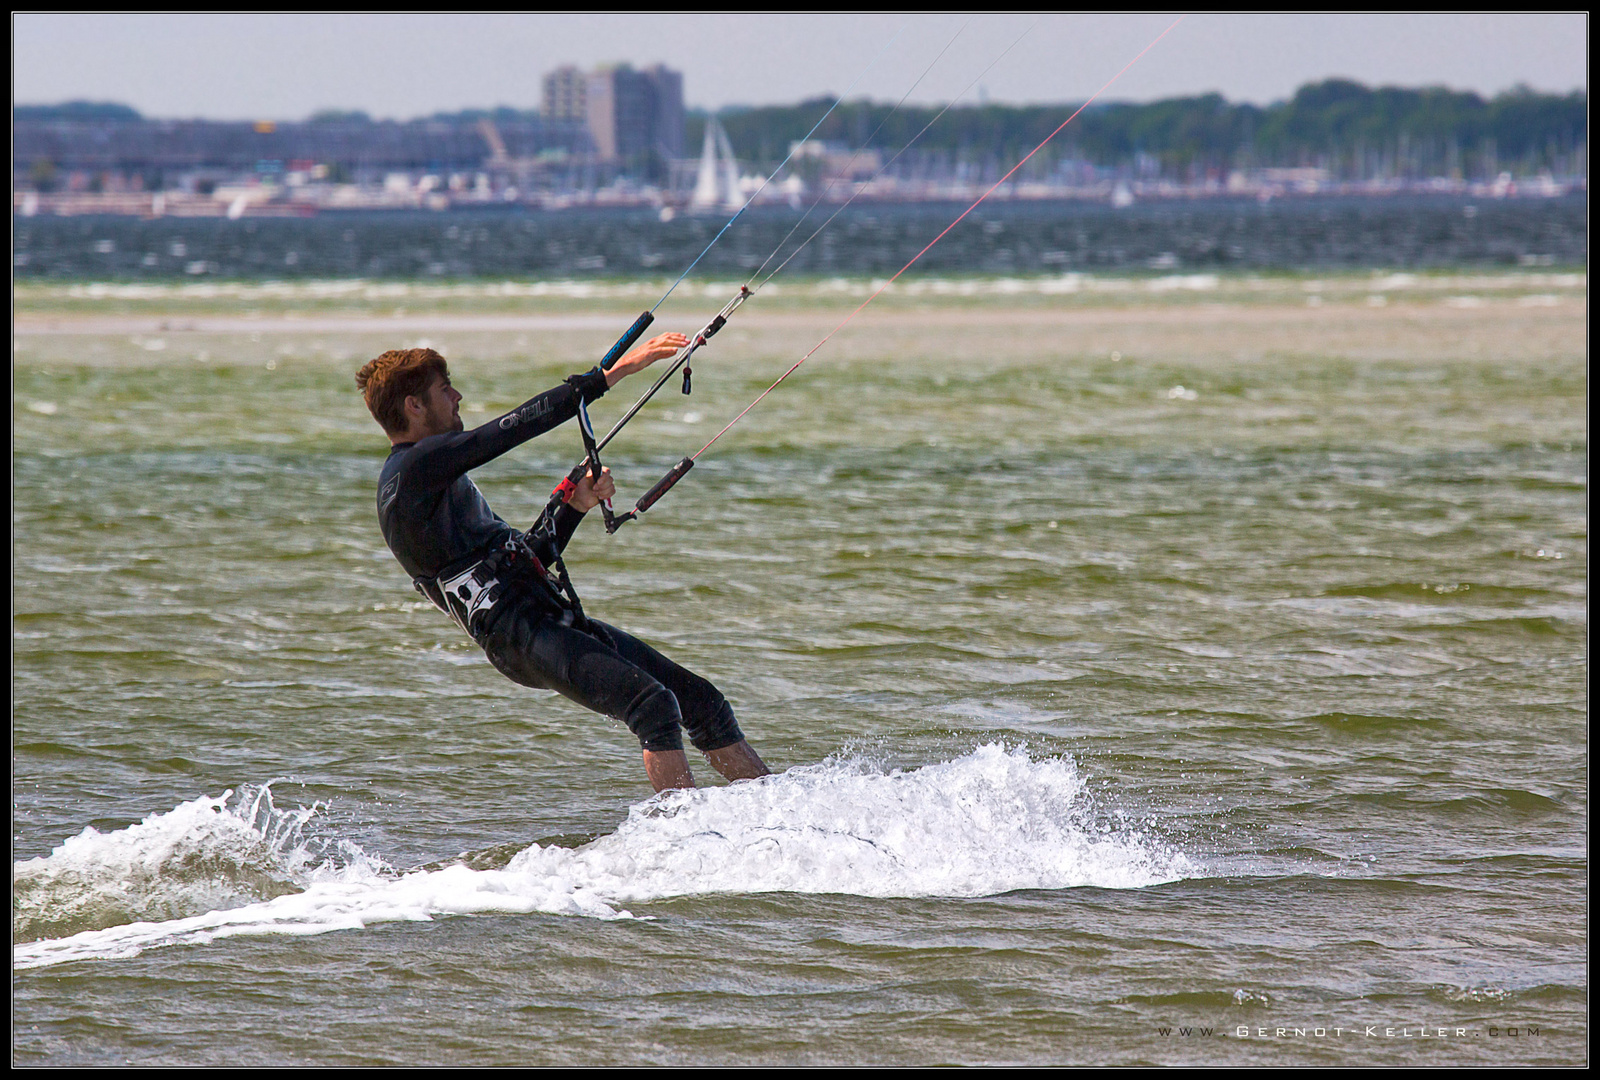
(445, 457)
(440, 459)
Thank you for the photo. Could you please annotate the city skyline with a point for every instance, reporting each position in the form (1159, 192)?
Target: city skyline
(282, 67)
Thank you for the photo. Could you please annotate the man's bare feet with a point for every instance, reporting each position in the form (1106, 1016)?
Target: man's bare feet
(668, 769)
(738, 762)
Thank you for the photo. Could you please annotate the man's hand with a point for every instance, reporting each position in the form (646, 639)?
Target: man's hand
(592, 492)
(657, 348)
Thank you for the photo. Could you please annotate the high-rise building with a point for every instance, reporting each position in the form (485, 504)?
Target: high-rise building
(636, 116)
(669, 109)
(565, 95)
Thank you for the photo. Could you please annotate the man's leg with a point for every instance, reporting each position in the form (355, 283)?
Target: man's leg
(541, 652)
(706, 713)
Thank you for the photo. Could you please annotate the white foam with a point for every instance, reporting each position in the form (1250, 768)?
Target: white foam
(992, 821)
(203, 855)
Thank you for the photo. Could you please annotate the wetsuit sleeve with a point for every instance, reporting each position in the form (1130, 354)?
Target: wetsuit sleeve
(550, 533)
(566, 523)
(441, 459)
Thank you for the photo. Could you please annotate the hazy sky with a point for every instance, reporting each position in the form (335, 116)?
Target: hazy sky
(241, 66)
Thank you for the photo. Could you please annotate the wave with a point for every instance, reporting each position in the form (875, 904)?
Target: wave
(992, 821)
(204, 855)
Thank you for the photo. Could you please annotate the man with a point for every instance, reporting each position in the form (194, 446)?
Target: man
(508, 589)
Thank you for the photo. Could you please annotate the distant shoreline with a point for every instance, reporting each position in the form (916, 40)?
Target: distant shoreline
(257, 204)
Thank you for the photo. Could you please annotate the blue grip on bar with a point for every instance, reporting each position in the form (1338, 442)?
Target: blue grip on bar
(626, 340)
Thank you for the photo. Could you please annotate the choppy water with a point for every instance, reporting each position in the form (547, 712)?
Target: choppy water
(1021, 237)
(1109, 698)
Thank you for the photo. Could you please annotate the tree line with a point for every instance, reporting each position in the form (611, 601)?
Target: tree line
(1354, 131)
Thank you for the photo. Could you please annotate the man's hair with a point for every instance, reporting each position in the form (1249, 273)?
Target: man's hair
(396, 375)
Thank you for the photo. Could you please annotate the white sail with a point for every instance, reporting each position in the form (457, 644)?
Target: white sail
(706, 196)
(730, 173)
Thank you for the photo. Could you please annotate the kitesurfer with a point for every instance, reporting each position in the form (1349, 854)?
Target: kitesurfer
(509, 589)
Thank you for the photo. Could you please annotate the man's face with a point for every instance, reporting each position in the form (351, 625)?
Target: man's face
(442, 407)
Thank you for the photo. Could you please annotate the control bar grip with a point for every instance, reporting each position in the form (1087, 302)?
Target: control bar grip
(625, 342)
(664, 485)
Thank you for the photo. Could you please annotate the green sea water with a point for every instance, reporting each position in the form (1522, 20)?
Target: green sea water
(1171, 703)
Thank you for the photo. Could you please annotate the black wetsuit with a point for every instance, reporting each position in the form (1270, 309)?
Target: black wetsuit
(438, 524)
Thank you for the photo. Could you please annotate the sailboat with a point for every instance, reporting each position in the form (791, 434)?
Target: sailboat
(716, 185)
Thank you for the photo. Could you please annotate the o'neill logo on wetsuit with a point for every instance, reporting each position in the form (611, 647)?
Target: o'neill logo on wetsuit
(531, 411)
